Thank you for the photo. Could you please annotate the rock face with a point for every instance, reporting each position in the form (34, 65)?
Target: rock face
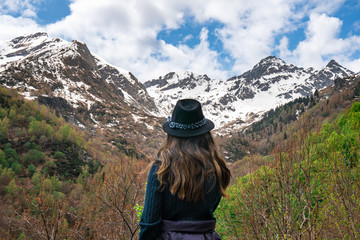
(242, 99)
(83, 88)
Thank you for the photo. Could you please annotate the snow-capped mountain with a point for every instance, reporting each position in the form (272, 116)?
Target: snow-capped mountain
(91, 92)
(82, 87)
(240, 100)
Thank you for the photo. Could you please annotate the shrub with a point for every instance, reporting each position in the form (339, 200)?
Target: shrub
(34, 156)
(32, 145)
(40, 128)
(31, 169)
(3, 113)
(4, 127)
(11, 155)
(59, 155)
(3, 161)
(67, 134)
(16, 167)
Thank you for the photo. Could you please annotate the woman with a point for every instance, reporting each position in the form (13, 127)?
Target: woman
(186, 181)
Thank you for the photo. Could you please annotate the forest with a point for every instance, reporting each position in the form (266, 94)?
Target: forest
(60, 182)
(309, 189)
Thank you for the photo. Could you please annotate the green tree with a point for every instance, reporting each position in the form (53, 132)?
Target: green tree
(13, 189)
(16, 167)
(3, 113)
(3, 161)
(59, 155)
(34, 156)
(11, 155)
(13, 112)
(4, 126)
(64, 132)
(31, 169)
(40, 128)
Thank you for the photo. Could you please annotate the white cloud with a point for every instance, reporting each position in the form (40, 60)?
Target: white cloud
(13, 27)
(326, 7)
(188, 37)
(249, 35)
(323, 43)
(200, 59)
(24, 8)
(124, 32)
(283, 48)
(352, 64)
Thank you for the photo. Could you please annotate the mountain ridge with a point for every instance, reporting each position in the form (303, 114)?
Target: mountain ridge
(61, 71)
(245, 97)
(84, 89)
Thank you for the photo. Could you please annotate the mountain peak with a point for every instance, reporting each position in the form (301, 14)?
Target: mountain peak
(268, 62)
(29, 38)
(266, 66)
(271, 59)
(333, 63)
(336, 67)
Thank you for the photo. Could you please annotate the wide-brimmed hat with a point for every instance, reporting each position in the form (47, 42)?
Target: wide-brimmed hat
(187, 120)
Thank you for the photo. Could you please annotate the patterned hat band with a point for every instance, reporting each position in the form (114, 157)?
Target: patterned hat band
(186, 126)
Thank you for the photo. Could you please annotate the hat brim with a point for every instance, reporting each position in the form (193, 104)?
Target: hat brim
(209, 125)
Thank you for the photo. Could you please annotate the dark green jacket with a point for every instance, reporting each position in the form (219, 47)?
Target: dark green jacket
(163, 205)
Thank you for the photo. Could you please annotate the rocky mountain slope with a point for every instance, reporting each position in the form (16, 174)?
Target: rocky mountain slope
(94, 94)
(240, 100)
(83, 88)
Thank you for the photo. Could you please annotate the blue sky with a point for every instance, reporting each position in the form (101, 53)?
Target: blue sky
(221, 38)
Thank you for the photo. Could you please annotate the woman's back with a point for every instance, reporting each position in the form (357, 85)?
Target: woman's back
(174, 208)
(187, 180)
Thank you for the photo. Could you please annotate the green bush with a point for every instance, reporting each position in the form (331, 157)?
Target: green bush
(3, 113)
(32, 145)
(4, 127)
(3, 161)
(313, 182)
(67, 134)
(34, 156)
(16, 167)
(31, 169)
(40, 128)
(11, 155)
(59, 155)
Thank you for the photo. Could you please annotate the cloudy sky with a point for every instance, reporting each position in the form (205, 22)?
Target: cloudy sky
(221, 38)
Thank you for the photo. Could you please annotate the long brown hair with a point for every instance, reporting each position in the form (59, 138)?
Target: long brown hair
(186, 163)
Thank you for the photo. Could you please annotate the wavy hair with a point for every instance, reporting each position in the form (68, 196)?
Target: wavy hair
(186, 164)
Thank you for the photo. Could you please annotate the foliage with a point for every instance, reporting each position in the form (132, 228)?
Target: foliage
(40, 128)
(67, 134)
(30, 133)
(31, 169)
(4, 126)
(3, 161)
(59, 155)
(311, 190)
(34, 156)
(118, 191)
(52, 185)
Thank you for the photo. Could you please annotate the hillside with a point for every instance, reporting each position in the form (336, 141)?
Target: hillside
(58, 182)
(277, 124)
(82, 88)
(308, 189)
